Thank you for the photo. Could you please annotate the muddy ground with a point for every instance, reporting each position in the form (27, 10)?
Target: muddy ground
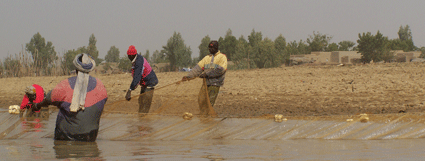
(292, 91)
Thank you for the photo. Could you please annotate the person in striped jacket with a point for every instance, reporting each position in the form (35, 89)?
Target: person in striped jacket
(213, 68)
(144, 76)
(80, 100)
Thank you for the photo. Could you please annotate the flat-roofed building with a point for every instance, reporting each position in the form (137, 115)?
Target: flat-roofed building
(345, 57)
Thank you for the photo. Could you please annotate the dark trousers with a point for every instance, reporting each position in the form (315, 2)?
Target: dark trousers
(145, 99)
(91, 136)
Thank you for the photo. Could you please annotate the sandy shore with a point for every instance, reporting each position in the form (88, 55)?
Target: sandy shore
(292, 91)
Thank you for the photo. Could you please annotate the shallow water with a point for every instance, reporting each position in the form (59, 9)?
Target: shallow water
(303, 149)
(156, 137)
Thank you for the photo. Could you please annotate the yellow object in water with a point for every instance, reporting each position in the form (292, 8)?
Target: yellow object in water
(14, 109)
(364, 118)
(187, 116)
(279, 118)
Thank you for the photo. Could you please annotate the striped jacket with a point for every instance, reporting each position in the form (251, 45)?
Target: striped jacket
(215, 68)
(82, 125)
(142, 73)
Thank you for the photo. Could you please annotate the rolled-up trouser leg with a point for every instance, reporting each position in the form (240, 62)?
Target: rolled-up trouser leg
(145, 99)
(213, 93)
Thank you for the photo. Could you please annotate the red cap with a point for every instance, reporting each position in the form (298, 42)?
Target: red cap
(131, 50)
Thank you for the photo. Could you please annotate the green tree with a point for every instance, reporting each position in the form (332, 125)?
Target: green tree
(203, 47)
(404, 41)
(158, 57)
(68, 58)
(12, 67)
(177, 52)
(1, 69)
(404, 33)
(318, 41)
(297, 48)
(422, 49)
(241, 57)
(227, 46)
(124, 64)
(147, 56)
(262, 52)
(346, 45)
(43, 53)
(113, 55)
(254, 51)
(373, 47)
(280, 46)
(267, 56)
(92, 49)
(332, 47)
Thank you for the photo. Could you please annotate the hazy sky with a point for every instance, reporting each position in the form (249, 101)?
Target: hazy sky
(149, 24)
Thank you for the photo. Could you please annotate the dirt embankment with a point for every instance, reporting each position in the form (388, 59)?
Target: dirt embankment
(291, 91)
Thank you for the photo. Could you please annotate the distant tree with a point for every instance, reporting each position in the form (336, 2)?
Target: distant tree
(147, 56)
(318, 41)
(422, 49)
(373, 47)
(177, 53)
(297, 48)
(158, 57)
(254, 40)
(332, 47)
(404, 33)
(241, 57)
(92, 49)
(267, 56)
(185, 59)
(346, 45)
(227, 46)
(1, 69)
(12, 66)
(124, 64)
(203, 47)
(280, 45)
(68, 58)
(43, 53)
(113, 55)
(404, 41)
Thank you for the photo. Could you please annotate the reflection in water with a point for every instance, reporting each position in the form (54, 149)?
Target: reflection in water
(76, 149)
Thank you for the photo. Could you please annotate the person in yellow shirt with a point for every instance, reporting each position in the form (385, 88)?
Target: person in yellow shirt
(213, 68)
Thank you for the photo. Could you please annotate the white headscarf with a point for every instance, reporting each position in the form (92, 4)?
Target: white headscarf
(80, 90)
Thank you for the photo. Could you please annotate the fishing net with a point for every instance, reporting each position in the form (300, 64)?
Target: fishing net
(172, 99)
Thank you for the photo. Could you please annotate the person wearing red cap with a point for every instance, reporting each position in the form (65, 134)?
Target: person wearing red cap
(144, 76)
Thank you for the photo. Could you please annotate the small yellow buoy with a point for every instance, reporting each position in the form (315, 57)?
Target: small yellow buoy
(14, 109)
(364, 118)
(279, 118)
(187, 116)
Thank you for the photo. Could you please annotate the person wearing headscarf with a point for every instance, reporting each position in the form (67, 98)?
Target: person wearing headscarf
(144, 76)
(80, 100)
(33, 94)
(213, 68)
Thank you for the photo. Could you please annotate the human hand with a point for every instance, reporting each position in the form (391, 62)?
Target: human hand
(203, 75)
(128, 95)
(185, 78)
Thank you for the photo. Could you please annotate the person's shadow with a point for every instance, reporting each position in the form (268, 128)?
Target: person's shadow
(76, 149)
